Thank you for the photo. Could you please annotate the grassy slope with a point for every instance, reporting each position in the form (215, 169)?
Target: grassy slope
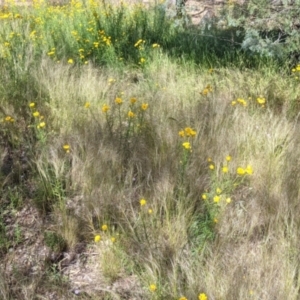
(242, 245)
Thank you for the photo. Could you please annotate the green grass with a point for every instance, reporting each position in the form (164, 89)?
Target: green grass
(82, 153)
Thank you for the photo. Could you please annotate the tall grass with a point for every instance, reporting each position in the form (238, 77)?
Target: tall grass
(172, 163)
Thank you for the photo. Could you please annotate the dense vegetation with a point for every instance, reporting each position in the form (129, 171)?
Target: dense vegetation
(143, 157)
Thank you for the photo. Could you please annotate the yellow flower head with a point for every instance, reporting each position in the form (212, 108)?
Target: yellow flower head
(8, 118)
(144, 106)
(228, 200)
(152, 287)
(219, 191)
(105, 108)
(97, 238)
(202, 296)
(87, 104)
(132, 100)
(119, 100)
(181, 133)
(204, 197)
(182, 298)
(150, 211)
(233, 103)
(216, 199)
(36, 114)
(41, 125)
(261, 100)
(249, 170)
(31, 104)
(131, 114)
(113, 239)
(66, 147)
(70, 61)
(186, 145)
(142, 60)
(143, 202)
(240, 171)
(104, 227)
(211, 166)
(155, 45)
(228, 158)
(190, 132)
(225, 169)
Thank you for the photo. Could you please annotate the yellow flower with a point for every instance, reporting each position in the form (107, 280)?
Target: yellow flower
(31, 104)
(228, 158)
(150, 211)
(205, 92)
(113, 239)
(119, 100)
(216, 220)
(104, 227)
(202, 296)
(70, 61)
(131, 114)
(216, 199)
(182, 298)
(8, 118)
(66, 147)
(228, 200)
(249, 170)
(132, 100)
(233, 103)
(87, 104)
(204, 197)
(209, 159)
(261, 100)
(97, 238)
(144, 106)
(36, 114)
(181, 133)
(138, 43)
(105, 108)
(219, 191)
(41, 125)
(225, 169)
(143, 202)
(240, 171)
(152, 287)
(186, 145)
(142, 60)
(189, 131)
(155, 45)
(211, 166)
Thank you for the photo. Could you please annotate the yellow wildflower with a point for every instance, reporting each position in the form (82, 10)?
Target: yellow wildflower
(113, 239)
(228, 200)
(155, 45)
(152, 287)
(66, 147)
(205, 92)
(132, 100)
(143, 202)
(150, 211)
(119, 100)
(36, 114)
(131, 114)
(144, 106)
(142, 60)
(219, 191)
(104, 227)
(41, 125)
(216, 199)
(8, 118)
(70, 61)
(233, 103)
(87, 104)
(225, 169)
(182, 298)
(31, 104)
(204, 197)
(216, 220)
(211, 166)
(228, 158)
(202, 296)
(105, 108)
(240, 171)
(249, 170)
(97, 238)
(186, 145)
(181, 133)
(261, 100)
